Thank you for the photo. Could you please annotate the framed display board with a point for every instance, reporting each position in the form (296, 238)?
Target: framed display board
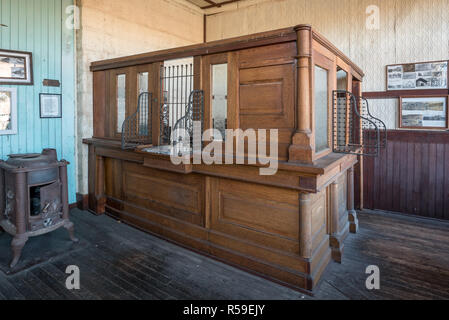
(417, 112)
(8, 111)
(418, 76)
(16, 67)
(50, 105)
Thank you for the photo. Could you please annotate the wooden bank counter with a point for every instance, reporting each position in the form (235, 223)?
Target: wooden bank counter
(285, 227)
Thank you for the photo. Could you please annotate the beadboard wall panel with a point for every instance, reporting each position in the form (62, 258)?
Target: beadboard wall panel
(39, 26)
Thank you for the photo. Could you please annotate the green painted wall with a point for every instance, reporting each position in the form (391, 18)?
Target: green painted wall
(39, 26)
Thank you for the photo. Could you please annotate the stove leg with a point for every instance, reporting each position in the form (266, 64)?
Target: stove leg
(17, 245)
(71, 229)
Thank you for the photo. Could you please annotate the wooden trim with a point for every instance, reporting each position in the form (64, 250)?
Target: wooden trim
(82, 202)
(357, 71)
(220, 46)
(398, 93)
(423, 128)
(218, 5)
(204, 28)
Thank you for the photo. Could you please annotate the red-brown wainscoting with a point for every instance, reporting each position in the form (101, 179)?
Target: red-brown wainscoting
(411, 175)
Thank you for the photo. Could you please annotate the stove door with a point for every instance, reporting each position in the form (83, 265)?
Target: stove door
(51, 207)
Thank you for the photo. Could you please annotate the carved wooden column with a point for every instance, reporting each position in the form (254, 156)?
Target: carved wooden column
(99, 186)
(335, 237)
(302, 142)
(305, 225)
(352, 214)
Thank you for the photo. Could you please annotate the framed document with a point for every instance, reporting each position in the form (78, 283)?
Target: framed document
(50, 105)
(423, 112)
(8, 111)
(16, 67)
(418, 76)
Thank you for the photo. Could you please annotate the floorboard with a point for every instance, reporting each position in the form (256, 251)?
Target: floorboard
(121, 262)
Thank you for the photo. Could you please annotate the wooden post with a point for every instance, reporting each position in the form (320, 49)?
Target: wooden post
(305, 225)
(335, 238)
(99, 186)
(352, 214)
(158, 99)
(302, 143)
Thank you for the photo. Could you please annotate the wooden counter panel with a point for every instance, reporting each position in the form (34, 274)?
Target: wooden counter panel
(268, 55)
(176, 195)
(261, 98)
(267, 101)
(267, 216)
(267, 97)
(113, 178)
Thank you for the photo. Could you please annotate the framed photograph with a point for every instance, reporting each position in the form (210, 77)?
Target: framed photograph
(8, 111)
(50, 105)
(418, 76)
(423, 112)
(16, 67)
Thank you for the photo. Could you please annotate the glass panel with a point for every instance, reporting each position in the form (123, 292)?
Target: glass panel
(220, 97)
(321, 109)
(5, 110)
(121, 101)
(143, 82)
(342, 79)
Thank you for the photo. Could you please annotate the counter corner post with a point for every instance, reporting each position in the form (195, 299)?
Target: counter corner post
(305, 225)
(352, 214)
(337, 236)
(303, 140)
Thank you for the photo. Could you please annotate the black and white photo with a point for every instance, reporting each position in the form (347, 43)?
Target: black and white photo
(16, 67)
(431, 75)
(8, 111)
(423, 112)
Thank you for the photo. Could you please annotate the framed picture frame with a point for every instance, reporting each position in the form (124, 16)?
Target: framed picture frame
(432, 75)
(50, 105)
(16, 67)
(8, 111)
(423, 112)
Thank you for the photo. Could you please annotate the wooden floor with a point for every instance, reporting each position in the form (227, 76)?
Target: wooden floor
(123, 263)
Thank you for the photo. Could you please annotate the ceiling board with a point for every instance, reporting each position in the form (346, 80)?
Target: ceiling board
(206, 4)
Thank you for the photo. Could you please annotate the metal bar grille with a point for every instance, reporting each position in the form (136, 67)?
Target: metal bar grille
(136, 129)
(355, 131)
(176, 90)
(366, 112)
(194, 112)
